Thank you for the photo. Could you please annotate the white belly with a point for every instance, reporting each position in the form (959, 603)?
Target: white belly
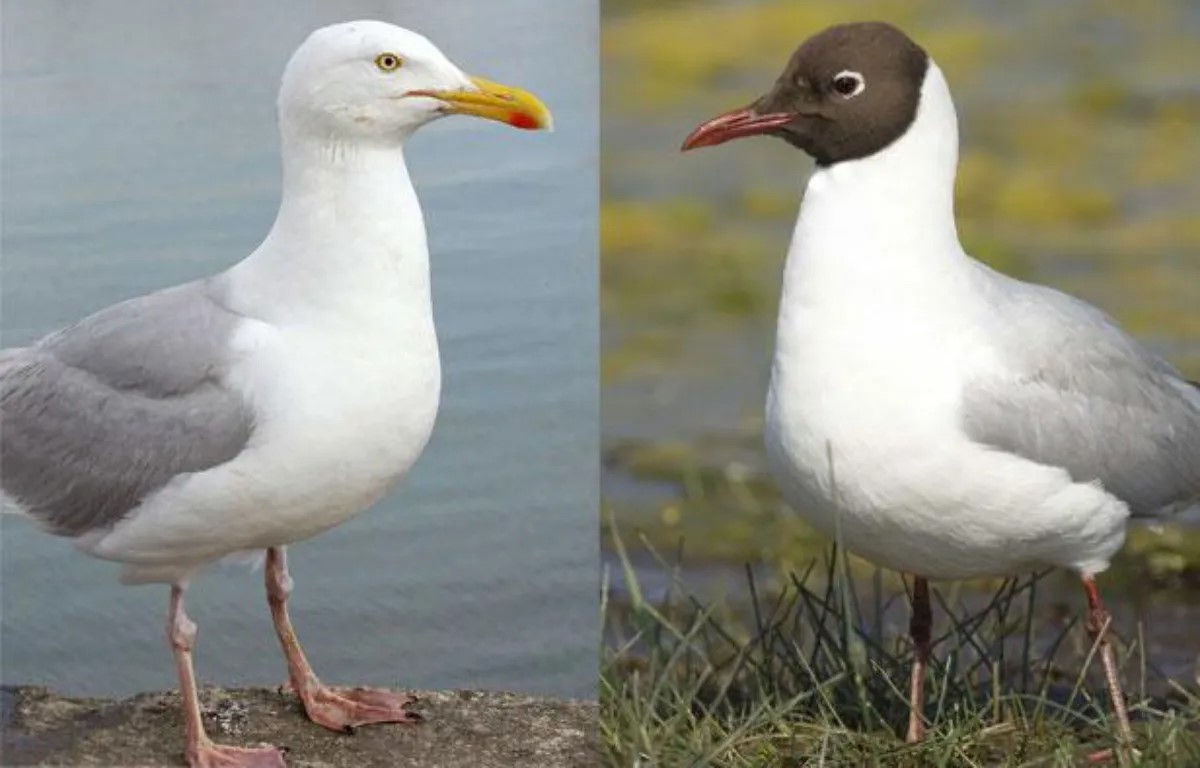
(876, 456)
(339, 419)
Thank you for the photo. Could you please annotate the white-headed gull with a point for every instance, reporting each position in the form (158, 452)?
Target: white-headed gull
(275, 400)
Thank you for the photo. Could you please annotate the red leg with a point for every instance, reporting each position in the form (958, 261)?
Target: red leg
(1097, 625)
(919, 628)
(339, 709)
(201, 751)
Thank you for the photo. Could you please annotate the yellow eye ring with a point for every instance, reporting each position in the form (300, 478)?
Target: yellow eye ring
(388, 62)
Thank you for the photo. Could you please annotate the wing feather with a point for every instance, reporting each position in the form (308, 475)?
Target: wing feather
(1074, 391)
(98, 416)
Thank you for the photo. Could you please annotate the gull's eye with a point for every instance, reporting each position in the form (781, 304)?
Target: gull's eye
(848, 84)
(388, 62)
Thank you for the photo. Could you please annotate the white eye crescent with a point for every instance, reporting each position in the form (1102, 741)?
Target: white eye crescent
(849, 83)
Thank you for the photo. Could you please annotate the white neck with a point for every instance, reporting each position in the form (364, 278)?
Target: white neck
(349, 238)
(886, 216)
(876, 240)
(901, 196)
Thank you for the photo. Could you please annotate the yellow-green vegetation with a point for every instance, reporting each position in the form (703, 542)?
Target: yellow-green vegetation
(684, 49)
(816, 674)
(721, 265)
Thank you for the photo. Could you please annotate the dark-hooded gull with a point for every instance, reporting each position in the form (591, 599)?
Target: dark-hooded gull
(941, 418)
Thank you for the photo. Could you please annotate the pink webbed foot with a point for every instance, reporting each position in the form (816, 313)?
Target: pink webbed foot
(211, 755)
(339, 709)
(344, 709)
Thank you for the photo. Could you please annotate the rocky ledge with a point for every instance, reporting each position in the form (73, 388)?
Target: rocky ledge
(461, 729)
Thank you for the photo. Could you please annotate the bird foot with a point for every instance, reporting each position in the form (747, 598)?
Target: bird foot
(1106, 756)
(344, 709)
(221, 756)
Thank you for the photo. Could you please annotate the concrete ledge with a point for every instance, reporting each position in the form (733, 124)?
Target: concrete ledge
(462, 729)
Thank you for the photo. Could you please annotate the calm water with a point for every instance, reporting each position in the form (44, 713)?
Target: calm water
(139, 150)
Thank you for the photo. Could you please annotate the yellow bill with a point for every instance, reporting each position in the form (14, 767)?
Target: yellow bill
(493, 101)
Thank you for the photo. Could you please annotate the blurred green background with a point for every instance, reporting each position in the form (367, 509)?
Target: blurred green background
(1079, 168)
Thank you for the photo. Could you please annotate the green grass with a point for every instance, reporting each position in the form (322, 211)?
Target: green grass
(815, 673)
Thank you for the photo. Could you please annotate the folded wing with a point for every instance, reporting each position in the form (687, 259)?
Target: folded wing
(95, 418)
(1074, 391)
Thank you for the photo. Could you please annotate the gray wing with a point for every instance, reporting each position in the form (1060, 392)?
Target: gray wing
(1082, 395)
(96, 417)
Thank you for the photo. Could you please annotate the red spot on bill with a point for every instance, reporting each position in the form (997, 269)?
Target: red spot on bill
(522, 120)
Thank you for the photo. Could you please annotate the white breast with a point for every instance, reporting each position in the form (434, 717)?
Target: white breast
(876, 337)
(340, 417)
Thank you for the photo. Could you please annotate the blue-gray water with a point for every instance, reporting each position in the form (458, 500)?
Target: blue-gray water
(139, 150)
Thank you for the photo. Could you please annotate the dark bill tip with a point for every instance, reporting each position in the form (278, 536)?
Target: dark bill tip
(734, 125)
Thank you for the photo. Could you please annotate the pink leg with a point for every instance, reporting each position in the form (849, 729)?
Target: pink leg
(201, 751)
(919, 627)
(1097, 626)
(339, 709)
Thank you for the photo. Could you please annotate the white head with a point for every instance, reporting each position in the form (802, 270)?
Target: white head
(376, 82)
